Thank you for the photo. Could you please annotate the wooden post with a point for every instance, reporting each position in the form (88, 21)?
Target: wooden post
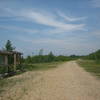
(14, 62)
(6, 60)
(19, 59)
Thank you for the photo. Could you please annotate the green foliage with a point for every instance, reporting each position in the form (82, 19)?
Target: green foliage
(40, 66)
(7, 83)
(41, 52)
(6, 69)
(8, 46)
(90, 66)
(3, 69)
(48, 58)
(62, 58)
(51, 57)
(93, 56)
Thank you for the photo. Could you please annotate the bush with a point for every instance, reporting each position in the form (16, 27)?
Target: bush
(3, 69)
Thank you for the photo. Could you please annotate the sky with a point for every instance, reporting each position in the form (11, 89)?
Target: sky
(64, 27)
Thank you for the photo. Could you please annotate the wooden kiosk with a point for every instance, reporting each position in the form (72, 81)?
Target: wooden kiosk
(4, 58)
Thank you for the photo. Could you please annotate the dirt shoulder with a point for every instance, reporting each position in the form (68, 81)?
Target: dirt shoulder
(66, 82)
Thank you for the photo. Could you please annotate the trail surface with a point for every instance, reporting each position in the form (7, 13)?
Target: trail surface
(66, 82)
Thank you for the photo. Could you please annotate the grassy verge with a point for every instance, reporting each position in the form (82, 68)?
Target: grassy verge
(90, 66)
(40, 66)
(7, 83)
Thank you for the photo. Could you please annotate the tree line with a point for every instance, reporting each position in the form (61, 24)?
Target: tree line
(40, 58)
(50, 57)
(46, 58)
(93, 56)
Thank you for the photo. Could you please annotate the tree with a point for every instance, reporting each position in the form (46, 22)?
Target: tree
(50, 56)
(28, 59)
(8, 46)
(41, 52)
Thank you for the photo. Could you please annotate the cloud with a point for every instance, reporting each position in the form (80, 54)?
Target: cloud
(51, 21)
(6, 12)
(95, 3)
(96, 33)
(43, 18)
(72, 45)
(69, 18)
(19, 29)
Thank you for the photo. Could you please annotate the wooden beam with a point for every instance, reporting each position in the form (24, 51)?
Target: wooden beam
(15, 62)
(19, 59)
(6, 60)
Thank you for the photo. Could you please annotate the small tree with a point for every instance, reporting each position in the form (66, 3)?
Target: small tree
(29, 59)
(41, 52)
(8, 46)
(50, 57)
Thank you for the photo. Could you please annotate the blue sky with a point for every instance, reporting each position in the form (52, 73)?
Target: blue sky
(62, 26)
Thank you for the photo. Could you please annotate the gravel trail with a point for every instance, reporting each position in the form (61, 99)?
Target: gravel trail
(66, 82)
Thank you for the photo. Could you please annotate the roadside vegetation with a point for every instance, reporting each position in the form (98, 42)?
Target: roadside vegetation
(50, 57)
(91, 63)
(30, 63)
(41, 66)
(90, 66)
(34, 62)
(31, 66)
(7, 83)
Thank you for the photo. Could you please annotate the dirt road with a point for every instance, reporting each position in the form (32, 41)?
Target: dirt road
(66, 82)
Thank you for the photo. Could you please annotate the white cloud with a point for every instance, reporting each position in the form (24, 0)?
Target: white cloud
(6, 12)
(70, 18)
(96, 3)
(96, 33)
(50, 20)
(73, 45)
(19, 29)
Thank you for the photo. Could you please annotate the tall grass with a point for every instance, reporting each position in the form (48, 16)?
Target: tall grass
(92, 66)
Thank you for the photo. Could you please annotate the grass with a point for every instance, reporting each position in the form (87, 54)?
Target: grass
(91, 66)
(40, 66)
(7, 83)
